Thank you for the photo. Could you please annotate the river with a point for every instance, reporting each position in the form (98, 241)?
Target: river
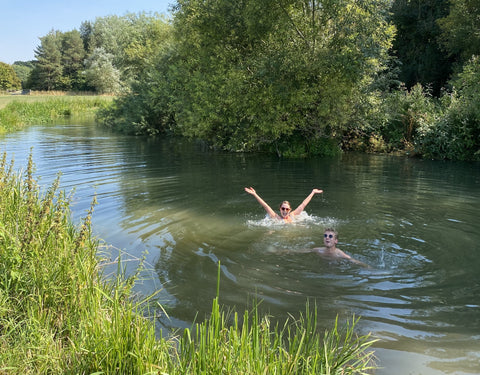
(182, 208)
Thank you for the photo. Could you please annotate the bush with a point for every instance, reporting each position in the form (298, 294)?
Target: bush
(457, 134)
(406, 112)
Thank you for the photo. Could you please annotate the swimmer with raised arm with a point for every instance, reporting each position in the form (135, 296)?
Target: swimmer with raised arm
(330, 240)
(286, 213)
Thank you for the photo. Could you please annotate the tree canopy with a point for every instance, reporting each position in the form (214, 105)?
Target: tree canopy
(8, 78)
(284, 76)
(293, 77)
(418, 45)
(64, 60)
(460, 29)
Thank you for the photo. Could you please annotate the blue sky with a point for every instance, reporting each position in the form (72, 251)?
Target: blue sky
(23, 22)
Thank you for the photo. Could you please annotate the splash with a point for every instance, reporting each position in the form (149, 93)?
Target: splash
(302, 220)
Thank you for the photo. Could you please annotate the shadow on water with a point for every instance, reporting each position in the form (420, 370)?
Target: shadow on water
(183, 208)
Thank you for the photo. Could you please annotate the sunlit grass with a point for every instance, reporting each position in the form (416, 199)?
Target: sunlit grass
(18, 111)
(59, 315)
(227, 343)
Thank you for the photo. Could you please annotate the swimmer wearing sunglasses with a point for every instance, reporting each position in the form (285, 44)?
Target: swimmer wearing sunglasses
(286, 213)
(330, 250)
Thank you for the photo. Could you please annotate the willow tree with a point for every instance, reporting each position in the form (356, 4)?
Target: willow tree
(281, 75)
(277, 75)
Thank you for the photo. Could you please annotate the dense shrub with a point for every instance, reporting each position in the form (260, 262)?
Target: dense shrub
(457, 133)
(406, 112)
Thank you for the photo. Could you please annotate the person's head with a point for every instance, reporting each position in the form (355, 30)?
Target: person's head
(330, 237)
(285, 208)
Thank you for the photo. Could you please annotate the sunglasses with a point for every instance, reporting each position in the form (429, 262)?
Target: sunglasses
(328, 235)
(285, 208)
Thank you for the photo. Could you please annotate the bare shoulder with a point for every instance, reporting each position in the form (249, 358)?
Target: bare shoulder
(338, 254)
(341, 254)
(332, 253)
(319, 250)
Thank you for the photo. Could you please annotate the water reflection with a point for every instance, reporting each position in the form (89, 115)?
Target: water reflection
(183, 208)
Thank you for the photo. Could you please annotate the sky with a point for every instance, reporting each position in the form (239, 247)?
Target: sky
(23, 22)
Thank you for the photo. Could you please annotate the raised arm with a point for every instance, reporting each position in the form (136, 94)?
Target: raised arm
(267, 208)
(306, 201)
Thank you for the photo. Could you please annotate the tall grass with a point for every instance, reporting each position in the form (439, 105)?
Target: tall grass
(223, 345)
(59, 315)
(45, 110)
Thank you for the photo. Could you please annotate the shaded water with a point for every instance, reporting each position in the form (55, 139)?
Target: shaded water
(415, 222)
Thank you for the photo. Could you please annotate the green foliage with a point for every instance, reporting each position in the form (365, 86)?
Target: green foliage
(148, 109)
(57, 315)
(407, 111)
(19, 113)
(396, 124)
(130, 40)
(460, 29)
(117, 48)
(59, 63)
(251, 344)
(73, 55)
(291, 77)
(414, 122)
(417, 43)
(252, 76)
(8, 78)
(48, 68)
(23, 70)
(100, 72)
(457, 134)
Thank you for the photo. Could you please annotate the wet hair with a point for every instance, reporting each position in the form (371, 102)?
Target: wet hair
(285, 202)
(331, 230)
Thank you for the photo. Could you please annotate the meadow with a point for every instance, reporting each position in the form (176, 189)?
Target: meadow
(18, 111)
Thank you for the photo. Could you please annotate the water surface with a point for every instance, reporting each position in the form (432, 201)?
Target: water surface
(183, 208)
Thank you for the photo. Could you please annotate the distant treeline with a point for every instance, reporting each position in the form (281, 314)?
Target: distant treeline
(293, 77)
(104, 56)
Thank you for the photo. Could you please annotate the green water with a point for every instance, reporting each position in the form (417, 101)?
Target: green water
(183, 207)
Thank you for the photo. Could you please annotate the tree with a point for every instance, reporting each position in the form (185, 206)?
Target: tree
(23, 70)
(86, 33)
(146, 36)
(131, 40)
(47, 73)
(460, 29)
(73, 55)
(456, 134)
(100, 72)
(8, 78)
(417, 43)
(277, 75)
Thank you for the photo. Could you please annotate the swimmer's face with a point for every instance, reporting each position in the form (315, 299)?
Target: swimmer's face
(329, 239)
(284, 209)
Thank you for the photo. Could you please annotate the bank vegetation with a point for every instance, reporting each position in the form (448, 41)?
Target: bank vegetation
(18, 111)
(292, 77)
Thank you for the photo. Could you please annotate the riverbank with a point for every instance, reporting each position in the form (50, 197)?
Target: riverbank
(18, 111)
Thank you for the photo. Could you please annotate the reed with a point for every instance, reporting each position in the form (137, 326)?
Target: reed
(57, 313)
(223, 345)
(60, 315)
(18, 113)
